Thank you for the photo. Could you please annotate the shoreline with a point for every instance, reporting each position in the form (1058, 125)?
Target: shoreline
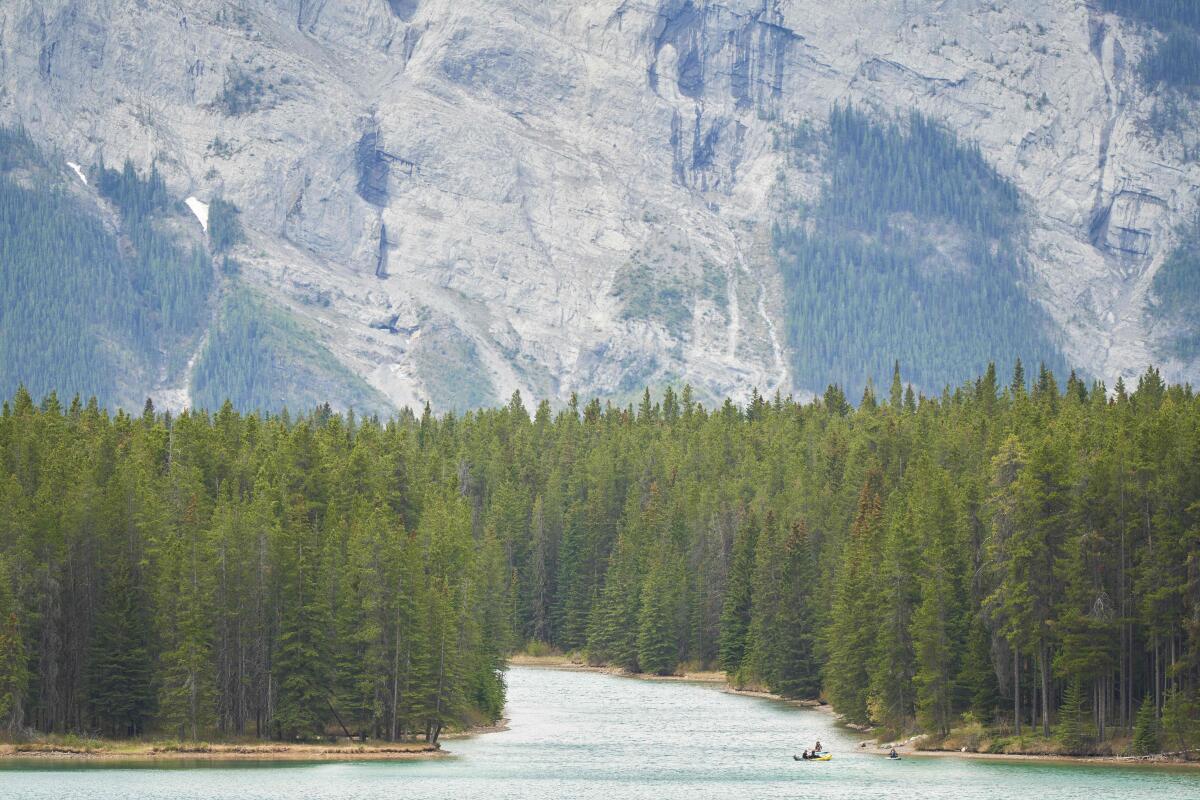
(561, 662)
(266, 751)
(118, 750)
(1113, 761)
(568, 664)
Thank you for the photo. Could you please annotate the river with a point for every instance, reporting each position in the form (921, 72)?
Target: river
(584, 735)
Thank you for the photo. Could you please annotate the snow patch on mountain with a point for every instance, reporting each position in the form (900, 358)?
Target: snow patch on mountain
(78, 170)
(200, 209)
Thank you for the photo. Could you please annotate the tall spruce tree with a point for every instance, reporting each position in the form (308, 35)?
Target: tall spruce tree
(120, 667)
(660, 618)
(735, 611)
(14, 674)
(1145, 729)
(797, 672)
(851, 634)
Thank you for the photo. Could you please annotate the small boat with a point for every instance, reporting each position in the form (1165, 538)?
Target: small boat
(816, 757)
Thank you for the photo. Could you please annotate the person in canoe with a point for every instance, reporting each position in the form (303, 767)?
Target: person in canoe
(893, 754)
(817, 748)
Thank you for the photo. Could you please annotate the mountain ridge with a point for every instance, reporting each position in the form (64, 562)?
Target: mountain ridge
(568, 198)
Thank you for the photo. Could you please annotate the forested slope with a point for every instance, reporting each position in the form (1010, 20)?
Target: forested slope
(87, 304)
(1173, 60)
(914, 250)
(1027, 556)
(108, 286)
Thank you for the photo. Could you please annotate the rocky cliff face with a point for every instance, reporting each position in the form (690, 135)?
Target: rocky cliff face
(471, 197)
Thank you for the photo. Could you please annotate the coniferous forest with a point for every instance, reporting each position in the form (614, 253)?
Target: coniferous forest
(1021, 555)
(912, 251)
(91, 298)
(1174, 60)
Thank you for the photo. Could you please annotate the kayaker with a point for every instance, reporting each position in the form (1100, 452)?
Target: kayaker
(817, 749)
(893, 754)
(805, 755)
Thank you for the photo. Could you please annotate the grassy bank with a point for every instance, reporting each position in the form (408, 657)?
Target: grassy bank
(978, 741)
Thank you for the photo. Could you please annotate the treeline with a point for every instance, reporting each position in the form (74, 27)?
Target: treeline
(912, 251)
(1021, 557)
(233, 575)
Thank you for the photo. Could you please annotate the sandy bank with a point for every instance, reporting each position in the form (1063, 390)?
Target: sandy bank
(575, 664)
(272, 751)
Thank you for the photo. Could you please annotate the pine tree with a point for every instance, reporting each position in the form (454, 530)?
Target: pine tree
(978, 676)
(1145, 729)
(302, 662)
(798, 672)
(613, 627)
(120, 670)
(936, 628)
(13, 669)
(735, 611)
(1007, 604)
(892, 664)
(543, 554)
(186, 690)
(1180, 720)
(851, 633)
(661, 614)
(440, 695)
(896, 393)
(764, 641)
(1070, 730)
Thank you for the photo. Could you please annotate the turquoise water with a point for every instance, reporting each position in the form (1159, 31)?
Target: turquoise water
(585, 735)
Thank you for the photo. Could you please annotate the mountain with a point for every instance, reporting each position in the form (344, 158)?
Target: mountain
(449, 201)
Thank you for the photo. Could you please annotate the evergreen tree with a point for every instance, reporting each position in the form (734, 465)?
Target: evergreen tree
(936, 626)
(120, 669)
(613, 629)
(735, 611)
(543, 554)
(797, 673)
(659, 619)
(893, 662)
(978, 676)
(1070, 730)
(1145, 729)
(13, 670)
(302, 661)
(1180, 720)
(850, 635)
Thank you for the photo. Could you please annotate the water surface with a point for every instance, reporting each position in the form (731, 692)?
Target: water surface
(588, 736)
